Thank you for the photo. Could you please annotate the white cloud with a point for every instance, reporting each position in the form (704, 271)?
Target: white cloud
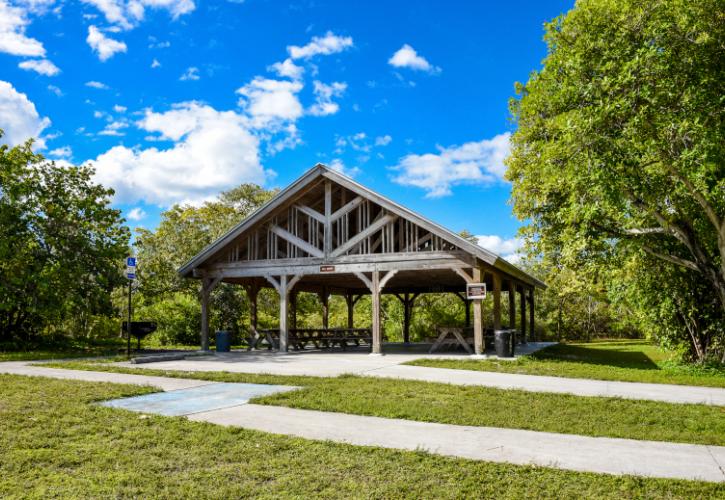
(324, 94)
(155, 64)
(97, 85)
(407, 57)
(326, 45)
(471, 163)
(338, 165)
(136, 213)
(104, 46)
(127, 14)
(64, 152)
(509, 248)
(55, 90)
(287, 69)
(383, 140)
(13, 21)
(191, 73)
(119, 109)
(42, 66)
(114, 128)
(19, 119)
(192, 170)
(271, 101)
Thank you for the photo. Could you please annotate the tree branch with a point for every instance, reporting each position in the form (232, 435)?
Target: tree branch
(672, 259)
(709, 210)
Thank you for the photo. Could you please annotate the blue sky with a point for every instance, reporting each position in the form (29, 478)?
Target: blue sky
(176, 100)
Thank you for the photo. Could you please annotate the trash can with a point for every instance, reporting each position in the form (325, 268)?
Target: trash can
(502, 341)
(223, 341)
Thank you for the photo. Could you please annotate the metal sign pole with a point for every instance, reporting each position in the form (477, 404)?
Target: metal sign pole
(128, 324)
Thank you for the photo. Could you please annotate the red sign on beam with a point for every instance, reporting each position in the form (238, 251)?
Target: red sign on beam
(327, 269)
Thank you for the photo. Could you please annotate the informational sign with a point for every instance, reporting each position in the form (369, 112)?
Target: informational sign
(140, 329)
(131, 268)
(327, 269)
(476, 291)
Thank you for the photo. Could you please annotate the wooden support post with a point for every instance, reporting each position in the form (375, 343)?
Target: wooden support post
(522, 303)
(512, 304)
(531, 316)
(283, 332)
(466, 307)
(496, 301)
(478, 344)
(350, 310)
(252, 292)
(408, 301)
(293, 309)
(327, 237)
(325, 301)
(204, 317)
(377, 333)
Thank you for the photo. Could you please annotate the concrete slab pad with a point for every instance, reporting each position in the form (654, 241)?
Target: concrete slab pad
(523, 447)
(199, 399)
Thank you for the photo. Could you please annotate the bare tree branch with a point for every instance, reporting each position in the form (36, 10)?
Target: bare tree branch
(672, 259)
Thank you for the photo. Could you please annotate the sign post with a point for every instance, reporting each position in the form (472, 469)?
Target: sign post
(130, 275)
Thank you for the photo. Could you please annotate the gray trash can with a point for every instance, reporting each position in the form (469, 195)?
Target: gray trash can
(502, 341)
(223, 341)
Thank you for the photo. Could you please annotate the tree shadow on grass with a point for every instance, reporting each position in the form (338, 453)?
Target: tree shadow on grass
(619, 357)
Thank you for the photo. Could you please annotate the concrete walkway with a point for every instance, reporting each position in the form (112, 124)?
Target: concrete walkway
(563, 451)
(329, 364)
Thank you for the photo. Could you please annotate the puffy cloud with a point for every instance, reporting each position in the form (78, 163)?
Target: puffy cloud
(213, 150)
(127, 14)
(325, 45)
(119, 109)
(191, 73)
(13, 21)
(97, 85)
(407, 57)
(471, 163)
(271, 101)
(155, 64)
(324, 94)
(383, 140)
(104, 46)
(55, 90)
(338, 165)
(64, 152)
(19, 119)
(42, 66)
(287, 69)
(136, 213)
(509, 248)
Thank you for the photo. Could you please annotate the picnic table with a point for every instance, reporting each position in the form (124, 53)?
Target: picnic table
(453, 337)
(321, 338)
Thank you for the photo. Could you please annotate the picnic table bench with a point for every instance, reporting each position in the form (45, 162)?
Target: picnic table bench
(452, 337)
(321, 338)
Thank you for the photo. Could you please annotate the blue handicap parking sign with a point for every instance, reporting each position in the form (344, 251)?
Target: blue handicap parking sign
(131, 261)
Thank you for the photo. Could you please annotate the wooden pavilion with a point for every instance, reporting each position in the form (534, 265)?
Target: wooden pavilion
(327, 234)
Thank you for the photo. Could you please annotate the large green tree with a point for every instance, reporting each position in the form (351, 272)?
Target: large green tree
(619, 151)
(61, 246)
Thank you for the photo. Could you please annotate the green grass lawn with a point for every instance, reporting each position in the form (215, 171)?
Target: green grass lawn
(629, 361)
(55, 443)
(480, 406)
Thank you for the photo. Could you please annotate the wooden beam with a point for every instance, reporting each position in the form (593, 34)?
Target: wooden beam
(328, 222)
(463, 274)
(296, 241)
(496, 301)
(522, 303)
(365, 280)
(387, 278)
(367, 232)
(283, 298)
(207, 286)
(348, 207)
(532, 331)
(311, 212)
(512, 304)
(478, 345)
(377, 346)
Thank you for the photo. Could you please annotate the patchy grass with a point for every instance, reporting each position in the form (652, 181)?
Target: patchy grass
(55, 443)
(629, 361)
(479, 406)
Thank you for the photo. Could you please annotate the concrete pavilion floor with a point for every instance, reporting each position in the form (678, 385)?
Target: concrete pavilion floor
(321, 363)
